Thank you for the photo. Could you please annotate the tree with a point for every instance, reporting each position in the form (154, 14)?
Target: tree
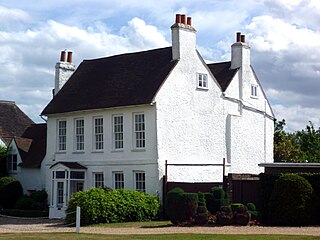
(3, 154)
(286, 148)
(309, 141)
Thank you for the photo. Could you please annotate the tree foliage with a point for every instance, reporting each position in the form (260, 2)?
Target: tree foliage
(299, 146)
(3, 154)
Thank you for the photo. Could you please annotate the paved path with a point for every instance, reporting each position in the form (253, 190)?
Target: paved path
(45, 225)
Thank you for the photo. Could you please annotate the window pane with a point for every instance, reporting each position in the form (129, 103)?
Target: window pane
(118, 180)
(62, 131)
(98, 180)
(140, 181)
(98, 133)
(118, 132)
(79, 134)
(139, 130)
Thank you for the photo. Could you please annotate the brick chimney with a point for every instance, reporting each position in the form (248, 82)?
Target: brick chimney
(64, 70)
(183, 37)
(240, 52)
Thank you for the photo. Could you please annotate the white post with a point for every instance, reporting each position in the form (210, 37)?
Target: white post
(78, 213)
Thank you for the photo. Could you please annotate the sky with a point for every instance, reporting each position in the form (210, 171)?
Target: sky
(284, 36)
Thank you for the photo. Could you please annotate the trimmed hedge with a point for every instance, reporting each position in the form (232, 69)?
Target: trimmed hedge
(289, 201)
(99, 205)
(181, 206)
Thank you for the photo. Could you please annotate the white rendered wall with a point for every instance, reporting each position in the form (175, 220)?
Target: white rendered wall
(30, 178)
(109, 160)
(190, 125)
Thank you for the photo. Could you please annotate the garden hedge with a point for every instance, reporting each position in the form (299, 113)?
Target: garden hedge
(99, 205)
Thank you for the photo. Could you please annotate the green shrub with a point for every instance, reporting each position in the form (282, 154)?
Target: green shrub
(6, 180)
(219, 198)
(181, 206)
(218, 193)
(201, 199)
(209, 201)
(40, 196)
(251, 207)
(289, 201)
(25, 203)
(10, 193)
(225, 216)
(234, 206)
(106, 206)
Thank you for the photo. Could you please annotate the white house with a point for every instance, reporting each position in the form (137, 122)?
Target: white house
(25, 155)
(117, 119)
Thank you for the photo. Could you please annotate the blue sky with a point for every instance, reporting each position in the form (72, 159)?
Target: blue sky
(284, 36)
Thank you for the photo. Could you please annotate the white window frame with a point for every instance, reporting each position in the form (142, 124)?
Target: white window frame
(12, 163)
(139, 130)
(118, 183)
(202, 80)
(79, 134)
(98, 134)
(117, 131)
(61, 136)
(98, 179)
(139, 181)
(254, 91)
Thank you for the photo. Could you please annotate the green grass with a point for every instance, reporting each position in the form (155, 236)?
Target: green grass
(82, 236)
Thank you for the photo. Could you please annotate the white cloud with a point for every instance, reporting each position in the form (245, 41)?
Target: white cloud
(296, 116)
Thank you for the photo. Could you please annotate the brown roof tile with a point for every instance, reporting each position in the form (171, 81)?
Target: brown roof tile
(13, 121)
(121, 80)
(32, 145)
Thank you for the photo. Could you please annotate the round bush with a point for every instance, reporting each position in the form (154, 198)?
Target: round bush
(106, 206)
(251, 207)
(218, 193)
(201, 199)
(25, 203)
(6, 180)
(10, 193)
(289, 201)
(40, 196)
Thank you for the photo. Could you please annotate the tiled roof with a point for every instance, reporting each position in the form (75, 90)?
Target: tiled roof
(32, 145)
(70, 165)
(121, 80)
(13, 121)
(222, 73)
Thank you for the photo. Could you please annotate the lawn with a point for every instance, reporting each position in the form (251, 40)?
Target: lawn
(82, 236)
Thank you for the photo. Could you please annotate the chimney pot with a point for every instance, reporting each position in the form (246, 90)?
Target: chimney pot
(69, 60)
(189, 21)
(183, 18)
(63, 56)
(238, 36)
(243, 38)
(178, 18)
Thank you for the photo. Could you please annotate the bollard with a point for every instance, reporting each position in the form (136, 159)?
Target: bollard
(78, 213)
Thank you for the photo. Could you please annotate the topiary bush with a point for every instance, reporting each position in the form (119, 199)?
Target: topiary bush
(100, 205)
(219, 198)
(6, 180)
(202, 215)
(242, 216)
(225, 216)
(289, 201)
(181, 206)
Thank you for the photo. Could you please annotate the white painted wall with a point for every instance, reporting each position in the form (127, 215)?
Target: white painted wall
(30, 178)
(109, 160)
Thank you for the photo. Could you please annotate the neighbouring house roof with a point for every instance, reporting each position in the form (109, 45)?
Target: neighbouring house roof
(70, 165)
(32, 145)
(223, 73)
(121, 80)
(13, 121)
